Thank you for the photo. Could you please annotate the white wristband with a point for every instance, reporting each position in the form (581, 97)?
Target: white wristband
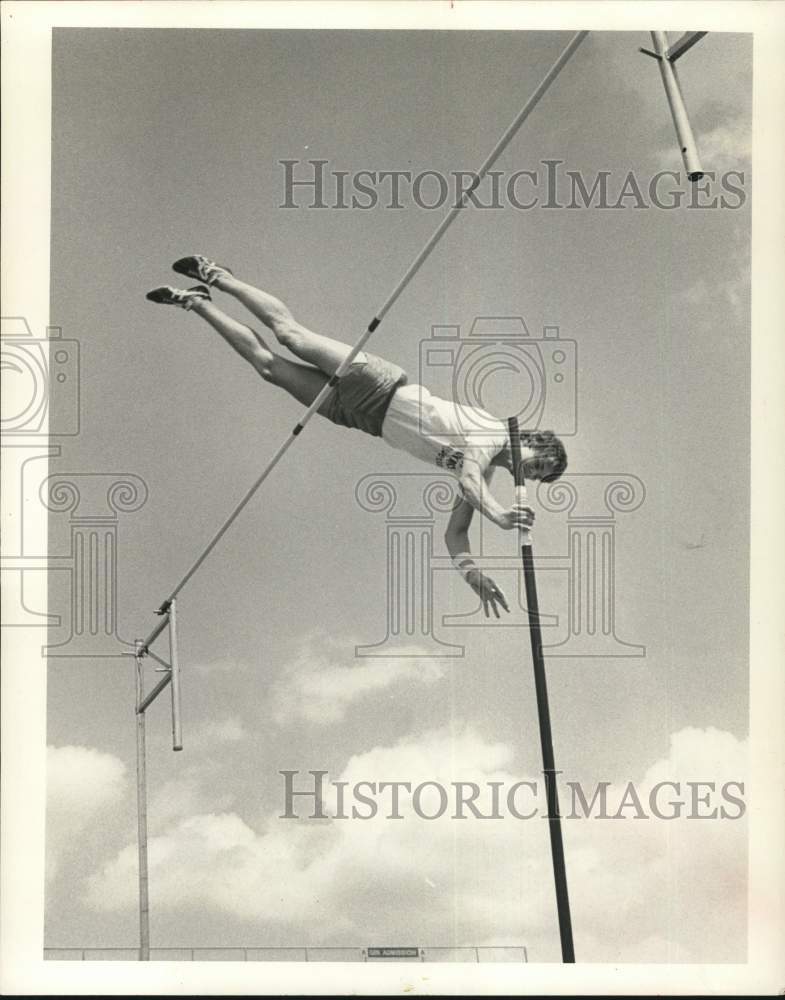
(463, 557)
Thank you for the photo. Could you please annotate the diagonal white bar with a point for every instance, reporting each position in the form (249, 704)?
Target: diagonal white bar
(414, 267)
(146, 643)
(150, 697)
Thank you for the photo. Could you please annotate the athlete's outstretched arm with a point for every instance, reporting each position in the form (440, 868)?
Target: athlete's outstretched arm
(456, 538)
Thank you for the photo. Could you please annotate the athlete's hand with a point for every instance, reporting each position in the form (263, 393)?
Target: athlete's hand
(488, 592)
(518, 516)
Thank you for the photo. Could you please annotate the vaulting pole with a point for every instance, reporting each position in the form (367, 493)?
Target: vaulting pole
(414, 267)
(541, 688)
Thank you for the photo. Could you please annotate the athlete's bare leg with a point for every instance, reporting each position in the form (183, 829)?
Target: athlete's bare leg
(300, 381)
(314, 348)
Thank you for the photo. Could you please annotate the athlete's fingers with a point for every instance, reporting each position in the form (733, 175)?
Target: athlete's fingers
(502, 600)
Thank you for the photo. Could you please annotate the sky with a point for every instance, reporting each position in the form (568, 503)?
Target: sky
(170, 142)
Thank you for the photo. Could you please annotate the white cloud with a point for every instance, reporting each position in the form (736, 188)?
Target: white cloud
(189, 793)
(83, 786)
(678, 885)
(730, 292)
(318, 686)
(641, 890)
(727, 146)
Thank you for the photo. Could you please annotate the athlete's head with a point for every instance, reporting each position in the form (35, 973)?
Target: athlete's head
(550, 458)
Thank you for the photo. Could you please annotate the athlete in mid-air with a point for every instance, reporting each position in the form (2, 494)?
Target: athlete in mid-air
(375, 396)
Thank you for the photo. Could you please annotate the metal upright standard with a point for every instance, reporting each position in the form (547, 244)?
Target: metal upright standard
(543, 712)
(666, 56)
(171, 676)
(141, 814)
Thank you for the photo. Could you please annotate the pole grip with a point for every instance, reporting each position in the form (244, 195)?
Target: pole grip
(521, 495)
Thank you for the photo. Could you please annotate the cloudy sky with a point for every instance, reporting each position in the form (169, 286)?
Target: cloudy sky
(170, 142)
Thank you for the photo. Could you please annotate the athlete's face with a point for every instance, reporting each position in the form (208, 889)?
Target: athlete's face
(539, 466)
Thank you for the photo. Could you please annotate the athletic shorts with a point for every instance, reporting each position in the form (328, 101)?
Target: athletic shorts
(361, 398)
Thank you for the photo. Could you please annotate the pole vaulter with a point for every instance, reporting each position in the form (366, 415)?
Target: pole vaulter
(167, 609)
